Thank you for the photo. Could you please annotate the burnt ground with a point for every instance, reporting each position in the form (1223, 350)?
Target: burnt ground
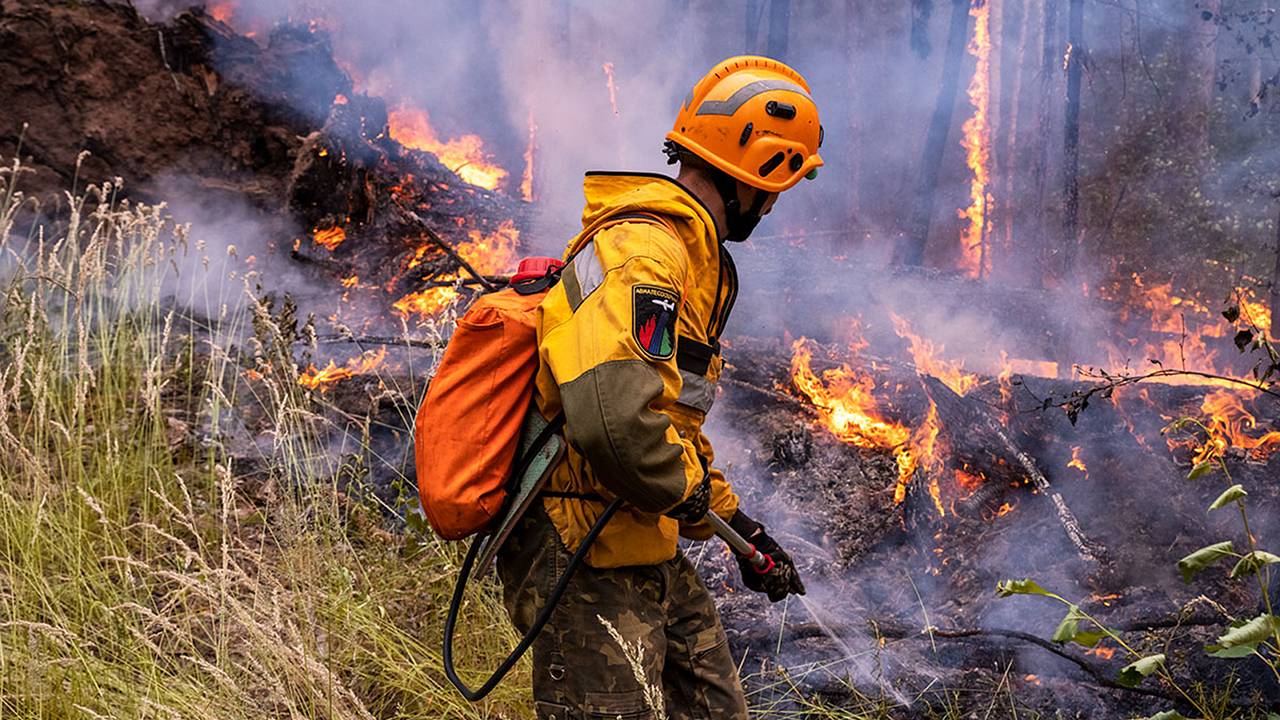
(879, 574)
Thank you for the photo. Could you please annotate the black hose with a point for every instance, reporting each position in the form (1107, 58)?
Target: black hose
(544, 615)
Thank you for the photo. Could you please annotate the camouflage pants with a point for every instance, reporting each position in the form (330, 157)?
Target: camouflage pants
(579, 670)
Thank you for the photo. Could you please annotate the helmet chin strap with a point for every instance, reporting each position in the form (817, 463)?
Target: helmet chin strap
(739, 223)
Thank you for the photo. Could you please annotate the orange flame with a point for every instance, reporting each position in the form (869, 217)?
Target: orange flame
(223, 12)
(928, 360)
(846, 403)
(526, 181)
(489, 254)
(464, 155)
(1102, 652)
(977, 144)
(329, 238)
(1077, 462)
(322, 380)
(1229, 425)
(613, 87)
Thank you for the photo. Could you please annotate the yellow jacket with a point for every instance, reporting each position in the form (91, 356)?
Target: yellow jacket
(628, 349)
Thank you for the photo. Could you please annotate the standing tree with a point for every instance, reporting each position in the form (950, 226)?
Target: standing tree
(910, 247)
(1071, 144)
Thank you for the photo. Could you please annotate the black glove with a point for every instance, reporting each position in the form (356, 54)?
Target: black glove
(782, 578)
(692, 508)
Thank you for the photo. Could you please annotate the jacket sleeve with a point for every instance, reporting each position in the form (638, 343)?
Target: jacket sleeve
(724, 502)
(618, 380)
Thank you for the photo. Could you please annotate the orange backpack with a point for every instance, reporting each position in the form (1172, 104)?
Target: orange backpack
(468, 427)
(470, 424)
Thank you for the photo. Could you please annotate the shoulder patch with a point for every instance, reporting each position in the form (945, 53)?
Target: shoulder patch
(653, 320)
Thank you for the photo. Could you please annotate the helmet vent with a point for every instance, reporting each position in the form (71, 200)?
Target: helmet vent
(786, 111)
(746, 134)
(772, 164)
(796, 162)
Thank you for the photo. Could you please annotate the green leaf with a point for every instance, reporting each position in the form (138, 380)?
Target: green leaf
(1132, 674)
(1025, 586)
(1088, 638)
(1250, 633)
(1229, 653)
(1230, 495)
(1253, 562)
(1168, 715)
(1202, 558)
(1201, 469)
(1069, 627)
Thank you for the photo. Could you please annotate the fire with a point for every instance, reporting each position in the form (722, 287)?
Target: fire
(846, 403)
(223, 12)
(464, 155)
(613, 87)
(349, 282)
(489, 254)
(974, 259)
(329, 238)
(1194, 335)
(928, 360)
(526, 181)
(1077, 462)
(1229, 425)
(322, 380)
(1102, 652)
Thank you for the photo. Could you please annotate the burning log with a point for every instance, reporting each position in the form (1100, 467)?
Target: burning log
(979, 423)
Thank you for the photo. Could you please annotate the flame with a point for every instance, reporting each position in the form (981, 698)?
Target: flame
(1229, 425)
(329, 238)
(926, 357)
(223, 12)
(1195, 334)
(526, 180)
(977, 144)
(352, 281)
(1102, 652)
(848, 408)
(464, 155)
(613, 87)
(1077, 462)
(322, 380)
(489, 254)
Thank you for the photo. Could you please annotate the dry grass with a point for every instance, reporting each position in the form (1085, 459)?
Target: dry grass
(140, 574)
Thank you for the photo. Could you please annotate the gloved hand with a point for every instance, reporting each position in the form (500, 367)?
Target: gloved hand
(780, 580)
(692, 508)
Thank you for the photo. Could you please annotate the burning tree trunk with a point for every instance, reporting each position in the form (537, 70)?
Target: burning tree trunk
(910, 249)
(1071, 144)
(980, 424)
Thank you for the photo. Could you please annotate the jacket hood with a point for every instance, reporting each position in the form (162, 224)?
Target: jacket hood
(610, 194)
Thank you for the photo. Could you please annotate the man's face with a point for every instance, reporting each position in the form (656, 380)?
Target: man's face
(747, 196)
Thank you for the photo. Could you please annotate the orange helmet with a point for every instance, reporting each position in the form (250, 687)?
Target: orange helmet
(753, 118)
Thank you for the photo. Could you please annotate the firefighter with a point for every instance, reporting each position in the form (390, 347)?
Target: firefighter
(629, 350)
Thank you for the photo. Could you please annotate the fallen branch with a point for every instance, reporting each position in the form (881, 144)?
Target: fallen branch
(415, 219)
(978, 418)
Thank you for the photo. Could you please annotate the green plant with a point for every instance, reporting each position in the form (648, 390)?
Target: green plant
(1258, 636)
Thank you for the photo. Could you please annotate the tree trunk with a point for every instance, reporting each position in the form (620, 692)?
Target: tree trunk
(755, 9)
(1044, 120)
(910, 248)
(779, 29)
(1197, 72)
(1071, 143)
(1011, 167)
(1275, 287)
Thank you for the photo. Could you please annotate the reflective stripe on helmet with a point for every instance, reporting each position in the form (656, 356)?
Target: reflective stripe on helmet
(730, 105)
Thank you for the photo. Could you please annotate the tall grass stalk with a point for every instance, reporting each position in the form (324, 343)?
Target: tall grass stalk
(144, 572)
